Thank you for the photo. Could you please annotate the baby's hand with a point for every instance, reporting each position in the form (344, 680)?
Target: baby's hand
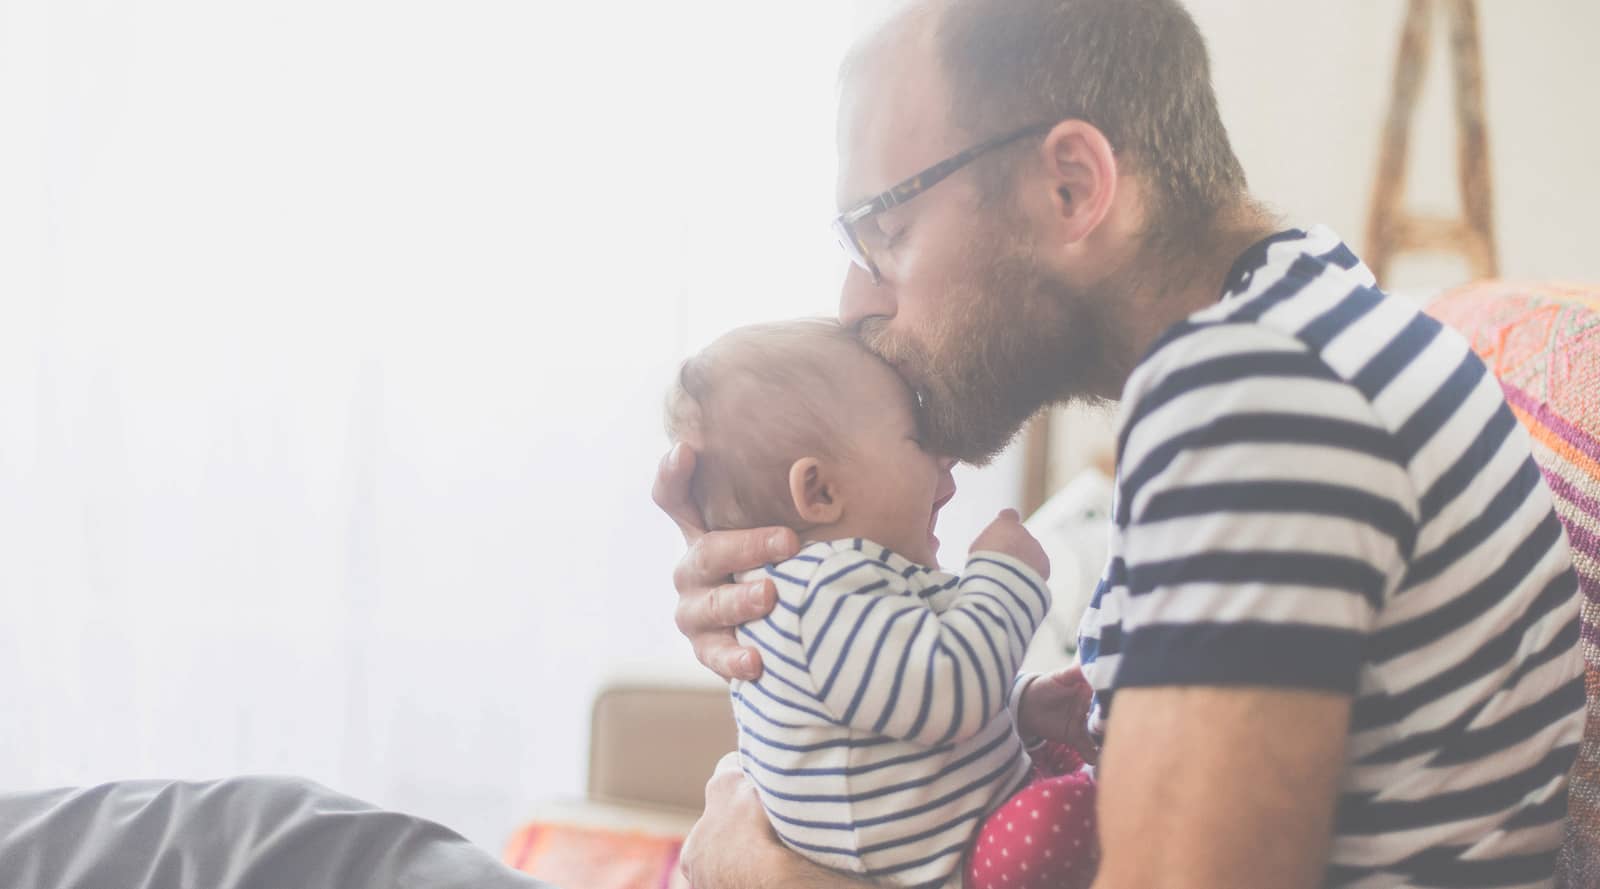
(1006, 535)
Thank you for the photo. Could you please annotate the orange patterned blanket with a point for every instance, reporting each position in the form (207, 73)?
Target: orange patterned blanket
(1542, 341)
(582, 857)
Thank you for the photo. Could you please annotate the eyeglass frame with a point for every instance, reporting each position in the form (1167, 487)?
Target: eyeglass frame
(908, 188)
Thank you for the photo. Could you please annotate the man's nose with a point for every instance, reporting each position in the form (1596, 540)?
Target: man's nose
(861, 299)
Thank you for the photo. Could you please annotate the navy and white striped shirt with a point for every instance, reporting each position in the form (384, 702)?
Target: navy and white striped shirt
(880, 731)
(1320, 487)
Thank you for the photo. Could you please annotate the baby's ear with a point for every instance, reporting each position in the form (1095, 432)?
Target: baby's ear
(815, 492)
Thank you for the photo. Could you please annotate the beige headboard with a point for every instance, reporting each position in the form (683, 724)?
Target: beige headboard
(655, 744)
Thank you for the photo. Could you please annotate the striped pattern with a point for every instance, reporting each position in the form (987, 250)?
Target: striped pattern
(1323, 488)
(1542, 341)
(879, 733)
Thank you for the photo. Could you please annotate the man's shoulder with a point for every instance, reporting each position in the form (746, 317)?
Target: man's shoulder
(1270, 289)
(1209, 368)
(1303, 315)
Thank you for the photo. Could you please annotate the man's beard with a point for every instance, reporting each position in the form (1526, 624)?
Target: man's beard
(1014, 342)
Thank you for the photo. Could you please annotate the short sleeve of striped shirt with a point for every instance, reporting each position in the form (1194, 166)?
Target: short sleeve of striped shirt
(1264, 511)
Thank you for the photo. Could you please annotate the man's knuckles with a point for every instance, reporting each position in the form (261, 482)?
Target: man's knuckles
(726, 602)
(668, 490)
(725, 779)
(686, 574)
(716, 654)
(720, 554)
(730, 660)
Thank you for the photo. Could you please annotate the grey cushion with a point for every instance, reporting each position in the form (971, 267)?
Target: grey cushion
(237, 833)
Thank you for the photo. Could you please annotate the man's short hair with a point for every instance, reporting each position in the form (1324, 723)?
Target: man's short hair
(1135, 69)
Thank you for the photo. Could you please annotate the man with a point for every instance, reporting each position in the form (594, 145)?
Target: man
(1339, 624)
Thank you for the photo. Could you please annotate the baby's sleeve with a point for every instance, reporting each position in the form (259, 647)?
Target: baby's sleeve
(883, 660)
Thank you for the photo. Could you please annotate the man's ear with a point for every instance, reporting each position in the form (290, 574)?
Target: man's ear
(1080, 169)
(816, 494)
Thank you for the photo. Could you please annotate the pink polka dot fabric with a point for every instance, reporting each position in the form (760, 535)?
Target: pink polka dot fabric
(1044, 836)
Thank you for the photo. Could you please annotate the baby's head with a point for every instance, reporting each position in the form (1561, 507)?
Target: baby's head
(795, 423)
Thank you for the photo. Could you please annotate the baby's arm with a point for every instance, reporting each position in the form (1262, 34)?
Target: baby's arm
(882, 660)
(1058, 703)
(1007, 535)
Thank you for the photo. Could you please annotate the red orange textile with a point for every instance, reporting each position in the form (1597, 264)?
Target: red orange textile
(579, 857)
(1542, 341)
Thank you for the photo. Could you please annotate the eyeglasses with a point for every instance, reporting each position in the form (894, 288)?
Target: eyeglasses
(846, 226)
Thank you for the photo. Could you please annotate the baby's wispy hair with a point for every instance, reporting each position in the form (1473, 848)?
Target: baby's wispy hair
(750, 406)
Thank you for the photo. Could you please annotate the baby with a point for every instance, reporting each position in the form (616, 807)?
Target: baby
(880, 736)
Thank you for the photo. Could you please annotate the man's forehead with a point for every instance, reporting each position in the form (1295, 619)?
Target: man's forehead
(893, 114)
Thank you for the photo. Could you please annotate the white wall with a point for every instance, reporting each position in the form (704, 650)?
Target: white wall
(333, 342)
(1304, 87)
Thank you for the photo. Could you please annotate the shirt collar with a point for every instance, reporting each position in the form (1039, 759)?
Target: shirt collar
(1253, 257)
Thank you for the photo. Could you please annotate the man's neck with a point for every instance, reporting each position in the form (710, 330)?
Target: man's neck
(1165, 292)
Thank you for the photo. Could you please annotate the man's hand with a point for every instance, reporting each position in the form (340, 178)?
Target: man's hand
(730, 840)
(733, 846)
(1006, 535)
(710, 605)
(1056, 706)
